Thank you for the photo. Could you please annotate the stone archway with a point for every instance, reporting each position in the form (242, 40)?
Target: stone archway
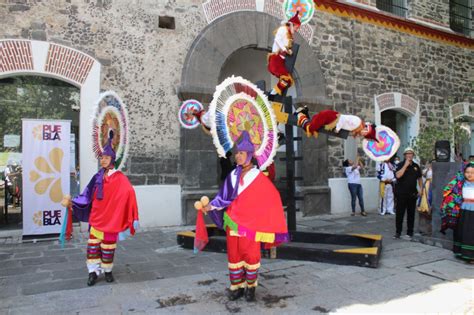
(235, 31)
(401, 103)
(207, 55)
(30, 57)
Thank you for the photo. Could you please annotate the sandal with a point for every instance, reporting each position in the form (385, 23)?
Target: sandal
(363, 213)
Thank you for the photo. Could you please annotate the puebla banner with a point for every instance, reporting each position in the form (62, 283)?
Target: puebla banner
(46, 159)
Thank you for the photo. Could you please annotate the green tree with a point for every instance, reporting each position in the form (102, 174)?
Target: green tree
(35, 97)
(432, 132)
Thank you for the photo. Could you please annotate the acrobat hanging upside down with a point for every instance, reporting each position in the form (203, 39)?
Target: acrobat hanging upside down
(335, 121)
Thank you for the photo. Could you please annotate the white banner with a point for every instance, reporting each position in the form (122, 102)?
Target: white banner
(46, 166)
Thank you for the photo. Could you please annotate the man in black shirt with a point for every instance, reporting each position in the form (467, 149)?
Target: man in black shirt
(408, 175)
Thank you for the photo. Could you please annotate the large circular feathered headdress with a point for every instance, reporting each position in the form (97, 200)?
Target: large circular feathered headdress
(110, 114)
(238, 105)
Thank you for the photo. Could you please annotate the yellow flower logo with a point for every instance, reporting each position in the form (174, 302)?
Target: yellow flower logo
(51, 170)
(38, 218)
(38, 132)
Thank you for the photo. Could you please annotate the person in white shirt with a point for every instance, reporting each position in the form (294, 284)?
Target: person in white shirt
(387, 179)
(352, 171)
(281, 48)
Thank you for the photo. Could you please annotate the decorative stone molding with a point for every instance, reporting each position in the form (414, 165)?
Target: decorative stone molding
(214, 9)
(401, 103)
(15, 55)
(397, 101)
(30, 57)
(68, 63)
(44, 58)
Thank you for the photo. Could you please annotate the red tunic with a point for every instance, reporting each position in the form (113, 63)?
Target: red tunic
(258, 208)
(118, 209)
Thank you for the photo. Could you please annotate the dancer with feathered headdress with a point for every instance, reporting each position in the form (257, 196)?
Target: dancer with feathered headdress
(109, 205)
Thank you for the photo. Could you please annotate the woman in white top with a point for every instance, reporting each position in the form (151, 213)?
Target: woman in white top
(351, 170)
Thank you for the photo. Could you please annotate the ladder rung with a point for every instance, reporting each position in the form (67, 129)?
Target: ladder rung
(299, 198)
(297, 138)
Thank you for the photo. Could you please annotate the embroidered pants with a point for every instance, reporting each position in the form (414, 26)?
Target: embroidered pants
(100, 253)
(244, 260)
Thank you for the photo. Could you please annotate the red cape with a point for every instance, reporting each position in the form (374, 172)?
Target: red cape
(118, 209)
(258, 208)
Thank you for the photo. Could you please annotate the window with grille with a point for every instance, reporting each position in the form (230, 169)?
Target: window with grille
(397, 7)
(460, 16)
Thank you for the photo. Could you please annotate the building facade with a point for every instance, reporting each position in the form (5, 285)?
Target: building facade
(396, 64)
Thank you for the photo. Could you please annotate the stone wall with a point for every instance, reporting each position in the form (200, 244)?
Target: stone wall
(361, 60)
(436, 11)
(143, 63)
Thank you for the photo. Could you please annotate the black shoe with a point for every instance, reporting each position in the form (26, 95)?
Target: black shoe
(236, 294)
(250, 294)
(92, 279)
(396, 236)
(303, 110)
(109, 277)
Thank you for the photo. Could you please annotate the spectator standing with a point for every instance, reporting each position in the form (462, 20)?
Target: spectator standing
(408, 175)
(386, 176)
(352, 171)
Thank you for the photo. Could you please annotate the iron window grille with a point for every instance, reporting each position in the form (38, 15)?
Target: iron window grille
(460, 16)
(397, 7)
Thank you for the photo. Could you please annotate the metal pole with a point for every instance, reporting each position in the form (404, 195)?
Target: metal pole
(290, 170)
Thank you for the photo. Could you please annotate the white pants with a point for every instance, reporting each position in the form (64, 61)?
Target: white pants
(387, 204)
(388, 200)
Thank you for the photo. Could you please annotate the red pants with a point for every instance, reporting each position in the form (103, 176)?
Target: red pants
(243, 255)
(100, 254)
(277, 67)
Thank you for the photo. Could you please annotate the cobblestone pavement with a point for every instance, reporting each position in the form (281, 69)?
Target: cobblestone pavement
(154, 275)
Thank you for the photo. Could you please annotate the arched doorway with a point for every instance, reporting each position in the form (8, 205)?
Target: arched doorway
(33, 97)
(401, 113)
(38, 58)
(220, 50)
(398, 122)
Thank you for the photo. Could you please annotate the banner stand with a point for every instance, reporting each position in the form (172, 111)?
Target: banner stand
(46, 175)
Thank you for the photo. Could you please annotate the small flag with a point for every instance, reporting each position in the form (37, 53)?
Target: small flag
(201, 238)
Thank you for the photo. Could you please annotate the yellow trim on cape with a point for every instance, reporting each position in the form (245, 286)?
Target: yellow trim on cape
(265, 237)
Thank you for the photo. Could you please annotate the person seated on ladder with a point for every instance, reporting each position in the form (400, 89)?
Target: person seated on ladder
(332, 120)
(280, 49)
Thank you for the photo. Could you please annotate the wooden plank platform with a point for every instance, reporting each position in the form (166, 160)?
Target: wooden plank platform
(341, 249)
